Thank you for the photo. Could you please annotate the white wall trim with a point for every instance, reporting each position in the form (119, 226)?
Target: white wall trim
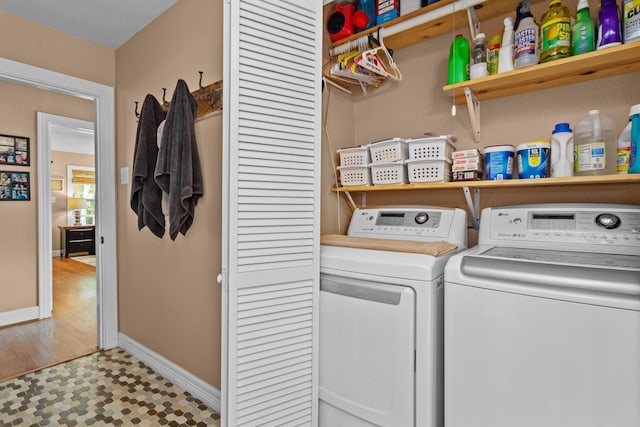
(103, 98)
(18, 316)
(204, 391)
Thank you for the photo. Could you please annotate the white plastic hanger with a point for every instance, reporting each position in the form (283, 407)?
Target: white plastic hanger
(379, 61)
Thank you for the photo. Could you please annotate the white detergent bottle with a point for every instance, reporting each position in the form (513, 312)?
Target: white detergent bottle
(505, 56)
(561, 151)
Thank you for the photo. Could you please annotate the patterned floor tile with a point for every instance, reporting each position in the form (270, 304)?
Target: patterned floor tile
(108, 388)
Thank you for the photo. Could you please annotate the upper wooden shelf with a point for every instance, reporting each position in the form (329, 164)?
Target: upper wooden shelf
(536, 182)
(588, 66)
(438, 26)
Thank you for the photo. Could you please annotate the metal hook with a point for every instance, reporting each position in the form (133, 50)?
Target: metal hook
(136, 110)
(164, 95)
(200, 81)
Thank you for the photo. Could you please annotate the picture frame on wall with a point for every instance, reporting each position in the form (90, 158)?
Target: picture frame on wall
(14, 150)
(14, 186)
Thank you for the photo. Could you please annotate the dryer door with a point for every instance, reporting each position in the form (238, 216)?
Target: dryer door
(367, 353)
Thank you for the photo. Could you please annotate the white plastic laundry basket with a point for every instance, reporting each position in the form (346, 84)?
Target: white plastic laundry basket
(428, 171)
(431, 148)
(390, 150)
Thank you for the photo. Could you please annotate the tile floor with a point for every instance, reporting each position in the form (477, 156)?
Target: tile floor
(103, 389)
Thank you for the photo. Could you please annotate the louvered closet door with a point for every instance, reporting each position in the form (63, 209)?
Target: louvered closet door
(272, 117)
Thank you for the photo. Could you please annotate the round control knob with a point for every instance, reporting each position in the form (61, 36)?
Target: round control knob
(421, 218)
(608, 221)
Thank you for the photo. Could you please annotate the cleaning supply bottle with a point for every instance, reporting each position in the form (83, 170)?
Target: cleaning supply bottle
(492, 54)
(458, 60)
(624, 142)
(505, 56)
(479, 57)
(634, 152)
(526, 36)
(609, 34)
(556, 32)
(561, 151)
(630, 20)
(582, 40)
(595, 145)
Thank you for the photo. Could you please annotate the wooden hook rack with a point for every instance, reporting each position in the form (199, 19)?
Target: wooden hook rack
(209, 99)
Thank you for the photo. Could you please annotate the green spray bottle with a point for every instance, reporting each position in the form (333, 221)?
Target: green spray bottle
(458, 60)
(583, 40)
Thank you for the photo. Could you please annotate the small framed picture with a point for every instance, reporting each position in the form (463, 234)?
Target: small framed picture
(14, 150)
(14, 186)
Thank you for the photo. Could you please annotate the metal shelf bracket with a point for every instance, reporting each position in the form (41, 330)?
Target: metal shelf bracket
(473, 204)
(473, 106)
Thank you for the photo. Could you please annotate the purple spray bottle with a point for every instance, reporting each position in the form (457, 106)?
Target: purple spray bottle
(609, 33)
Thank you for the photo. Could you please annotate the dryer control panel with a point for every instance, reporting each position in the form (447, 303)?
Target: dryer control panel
(562, 224)
(420, 223)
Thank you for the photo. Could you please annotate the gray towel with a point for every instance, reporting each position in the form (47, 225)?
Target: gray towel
(178, 167)
(146, 196)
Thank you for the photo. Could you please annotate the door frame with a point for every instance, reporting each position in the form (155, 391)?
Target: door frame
(104, 105)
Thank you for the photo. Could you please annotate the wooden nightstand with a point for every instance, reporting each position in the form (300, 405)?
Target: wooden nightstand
(78, 239)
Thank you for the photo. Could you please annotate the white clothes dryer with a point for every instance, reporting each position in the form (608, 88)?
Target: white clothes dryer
(381, 321)
(542, 319)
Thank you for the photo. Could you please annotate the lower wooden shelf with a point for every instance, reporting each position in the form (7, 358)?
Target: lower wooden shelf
(536, 182)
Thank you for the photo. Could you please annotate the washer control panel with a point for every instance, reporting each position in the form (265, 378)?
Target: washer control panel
(574, 224)
(422, 223)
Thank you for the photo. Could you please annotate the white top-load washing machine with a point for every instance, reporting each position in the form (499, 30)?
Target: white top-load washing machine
(542, 319)
(381, 321)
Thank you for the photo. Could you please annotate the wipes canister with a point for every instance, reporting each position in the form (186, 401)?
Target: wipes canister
(533, 159)
(498, 161)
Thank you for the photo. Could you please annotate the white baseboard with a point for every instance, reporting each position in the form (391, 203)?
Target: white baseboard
(56, 252)
(209, 395)
(17, 316)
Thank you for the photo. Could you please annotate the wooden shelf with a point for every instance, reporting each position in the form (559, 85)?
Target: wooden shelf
(537, 182)
(439, 26)
(589, 66)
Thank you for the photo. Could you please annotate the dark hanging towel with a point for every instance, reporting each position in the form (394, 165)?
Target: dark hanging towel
(178, 170)
(146, 196)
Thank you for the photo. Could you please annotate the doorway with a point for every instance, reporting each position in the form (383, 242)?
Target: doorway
(106, 272)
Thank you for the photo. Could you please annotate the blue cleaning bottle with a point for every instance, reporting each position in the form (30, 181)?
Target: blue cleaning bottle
(634, 152)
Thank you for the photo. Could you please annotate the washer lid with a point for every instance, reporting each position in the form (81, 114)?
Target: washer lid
(565, 257)
(600, 279)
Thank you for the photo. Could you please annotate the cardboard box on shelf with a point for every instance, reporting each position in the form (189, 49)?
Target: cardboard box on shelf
(387, 10)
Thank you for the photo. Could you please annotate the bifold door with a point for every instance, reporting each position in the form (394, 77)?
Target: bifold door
(270, 278)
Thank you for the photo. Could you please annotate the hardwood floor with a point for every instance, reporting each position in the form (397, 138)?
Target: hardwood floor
(70, 333)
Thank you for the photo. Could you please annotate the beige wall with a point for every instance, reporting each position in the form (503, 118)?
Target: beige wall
(59, 214)
(18, 286)
(418, 104)
(168, 297)
(34, 44)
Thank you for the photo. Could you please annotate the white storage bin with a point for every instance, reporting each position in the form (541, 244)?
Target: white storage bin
(389, 150)
(428, 170)
(354, 175)
(389, 173)
(430, 148)
(354, 156)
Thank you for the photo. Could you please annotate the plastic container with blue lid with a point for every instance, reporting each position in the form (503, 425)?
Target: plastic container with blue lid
(498, 161)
